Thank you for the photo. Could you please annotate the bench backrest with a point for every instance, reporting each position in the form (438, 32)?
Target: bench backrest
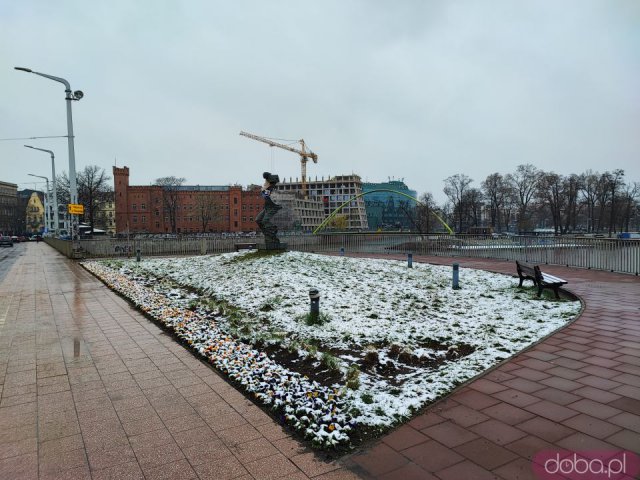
(538, 274)
(526, 270)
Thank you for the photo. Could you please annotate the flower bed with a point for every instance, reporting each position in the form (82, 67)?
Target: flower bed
(389, 339)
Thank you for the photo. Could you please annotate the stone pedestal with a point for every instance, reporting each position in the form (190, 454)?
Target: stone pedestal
(272, 246)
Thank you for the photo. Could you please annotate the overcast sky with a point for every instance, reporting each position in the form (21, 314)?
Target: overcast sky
(419, 90)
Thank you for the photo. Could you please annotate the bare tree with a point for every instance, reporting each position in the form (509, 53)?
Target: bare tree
(471, 206)
(207, 210)
(628, 202)
(496, 190)
(94, 191)
(615, 183)
(455, 189)
(523, 183)
(421, 216)
(571, 187)
(170, 198)
(62, 184)
(602, 199)
(589, 188)
(550, 194)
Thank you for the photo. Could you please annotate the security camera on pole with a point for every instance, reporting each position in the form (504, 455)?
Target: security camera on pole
(74, 208)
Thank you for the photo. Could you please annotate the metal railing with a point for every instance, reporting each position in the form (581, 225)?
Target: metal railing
(616, 255)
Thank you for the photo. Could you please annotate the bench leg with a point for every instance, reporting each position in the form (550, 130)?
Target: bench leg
(555, 290)
(521, 280)
(539, 290)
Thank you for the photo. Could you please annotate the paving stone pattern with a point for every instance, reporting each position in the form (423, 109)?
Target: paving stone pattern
(578, 389)
(92, 389)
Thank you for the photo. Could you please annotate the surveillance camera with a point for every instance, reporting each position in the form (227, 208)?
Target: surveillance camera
(78, 94)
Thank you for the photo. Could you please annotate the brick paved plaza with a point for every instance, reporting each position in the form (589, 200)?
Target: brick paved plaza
(92, 389)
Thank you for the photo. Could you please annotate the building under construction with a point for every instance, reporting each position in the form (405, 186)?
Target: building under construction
(331, 193)
(312, 197)
(298, 214)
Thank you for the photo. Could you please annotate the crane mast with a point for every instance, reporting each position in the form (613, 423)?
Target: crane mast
(304, 155)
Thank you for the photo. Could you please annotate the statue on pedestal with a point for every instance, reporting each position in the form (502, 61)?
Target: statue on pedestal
(269, 230)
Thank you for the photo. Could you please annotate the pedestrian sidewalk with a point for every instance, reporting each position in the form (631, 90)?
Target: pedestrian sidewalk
(89, 388)
(578, 389)
(92, 389)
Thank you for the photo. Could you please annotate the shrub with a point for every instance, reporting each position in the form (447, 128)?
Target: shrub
(367, 398)
(353, 377)
(330, 361)
(310, 320)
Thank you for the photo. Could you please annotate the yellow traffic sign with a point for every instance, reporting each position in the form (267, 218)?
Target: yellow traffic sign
(76, 209)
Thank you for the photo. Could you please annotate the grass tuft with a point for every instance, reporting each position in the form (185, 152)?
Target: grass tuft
(255, 255)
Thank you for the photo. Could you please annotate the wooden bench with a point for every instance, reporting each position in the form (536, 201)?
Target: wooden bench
(539, 279)
(245, 246)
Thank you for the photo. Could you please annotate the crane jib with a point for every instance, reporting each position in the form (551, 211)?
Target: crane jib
(304, 155)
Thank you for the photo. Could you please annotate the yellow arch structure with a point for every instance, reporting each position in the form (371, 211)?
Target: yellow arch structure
(333, 214)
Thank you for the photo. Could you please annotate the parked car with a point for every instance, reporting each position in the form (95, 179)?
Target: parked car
(6, 241)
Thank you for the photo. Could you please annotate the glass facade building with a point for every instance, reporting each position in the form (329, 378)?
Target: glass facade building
(387, 209)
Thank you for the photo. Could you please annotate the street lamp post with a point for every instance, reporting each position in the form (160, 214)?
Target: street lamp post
(73, 188)
(56, 213)
(47, 221)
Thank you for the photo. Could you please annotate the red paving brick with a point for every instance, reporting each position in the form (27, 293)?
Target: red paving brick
(486, 453)
(431, 456)
(562, 393)
(449, 434)
(405, 438)
(463, 415)
(134, 404)
(466, 469)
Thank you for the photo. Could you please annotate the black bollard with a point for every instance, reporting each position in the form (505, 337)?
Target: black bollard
(410, 260)
(137, 255)
(456, 285)
(314, 296)
(342, 251)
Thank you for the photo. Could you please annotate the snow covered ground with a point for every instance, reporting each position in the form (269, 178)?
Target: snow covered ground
(399, 337)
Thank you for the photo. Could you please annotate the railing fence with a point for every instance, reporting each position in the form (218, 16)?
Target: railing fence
(616, 255)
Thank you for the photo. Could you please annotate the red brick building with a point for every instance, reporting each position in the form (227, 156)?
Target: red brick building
(193, 209)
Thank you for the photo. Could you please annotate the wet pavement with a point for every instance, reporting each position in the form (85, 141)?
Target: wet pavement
(8, 256)
(92, 389)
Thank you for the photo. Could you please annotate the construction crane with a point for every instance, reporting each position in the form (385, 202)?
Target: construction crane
(304, 155)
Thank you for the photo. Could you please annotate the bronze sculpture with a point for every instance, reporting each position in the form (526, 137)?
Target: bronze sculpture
(269, 230)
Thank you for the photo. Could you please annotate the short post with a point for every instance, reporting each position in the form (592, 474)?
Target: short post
(456, 268)
(410, 260)
(314, 296)
(342, 251)
(137, 255)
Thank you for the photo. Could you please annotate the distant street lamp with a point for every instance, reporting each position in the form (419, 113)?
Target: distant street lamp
(56, 213)
(47, 223)
(73, 188)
